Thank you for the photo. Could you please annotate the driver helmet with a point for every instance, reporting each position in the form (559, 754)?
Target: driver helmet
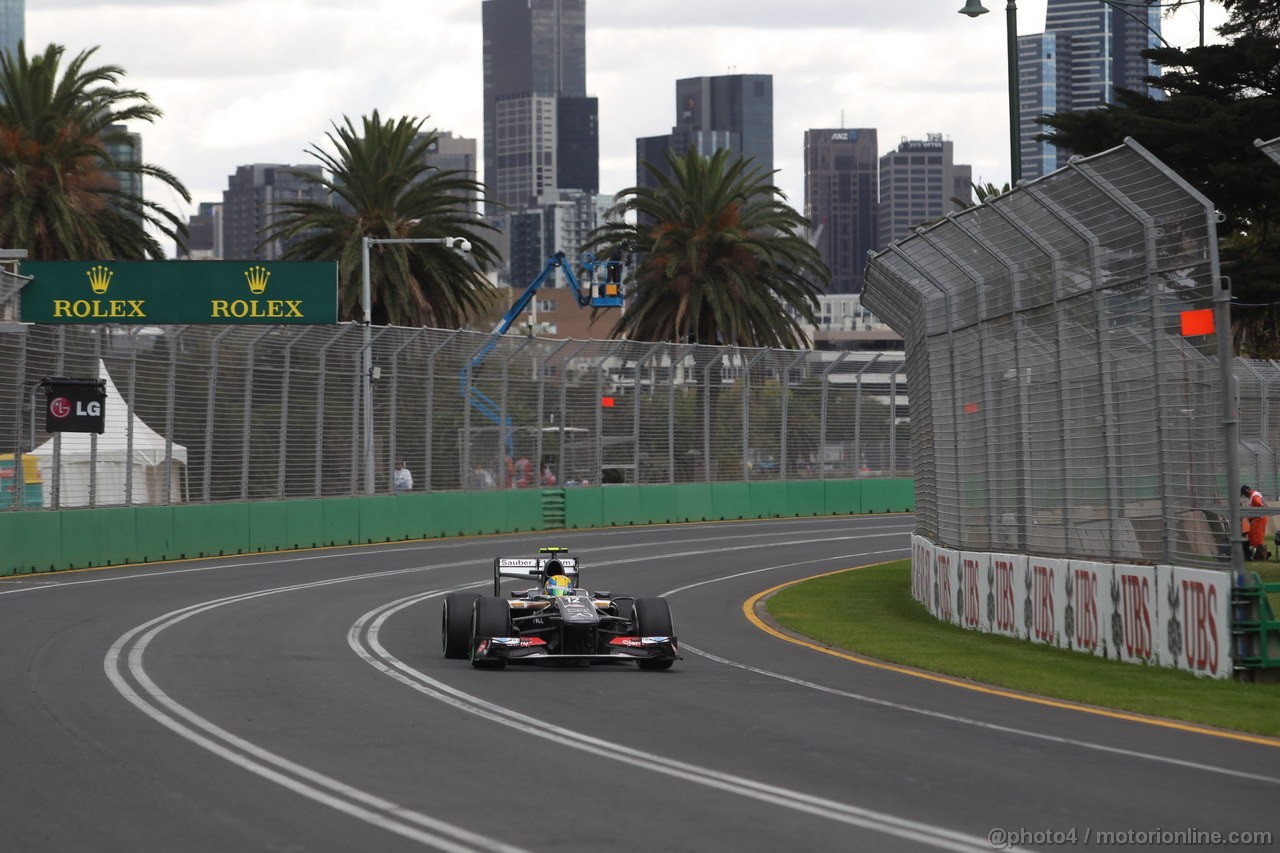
(559, 585)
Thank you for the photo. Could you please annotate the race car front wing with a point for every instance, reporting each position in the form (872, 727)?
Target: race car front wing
(534, 650)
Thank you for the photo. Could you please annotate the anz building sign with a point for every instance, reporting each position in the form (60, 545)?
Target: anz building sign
(180, 292)
(844, 136)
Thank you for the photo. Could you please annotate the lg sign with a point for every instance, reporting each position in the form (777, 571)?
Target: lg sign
(75, 405)
(61, 407)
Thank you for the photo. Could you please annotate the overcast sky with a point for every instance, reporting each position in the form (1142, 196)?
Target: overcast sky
(258, 81)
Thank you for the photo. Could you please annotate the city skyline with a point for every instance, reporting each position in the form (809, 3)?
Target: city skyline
(1086, 51)
(300, 69)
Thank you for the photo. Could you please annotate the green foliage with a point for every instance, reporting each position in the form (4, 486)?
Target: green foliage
(1219, 100)
(982, 191)
(382, 187)
(57, 199)
(723, 259)
(1261, 16)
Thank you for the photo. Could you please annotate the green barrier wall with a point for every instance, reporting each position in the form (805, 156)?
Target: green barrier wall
(40, 541)
(888, 495)
(32, 542)
(730, 501)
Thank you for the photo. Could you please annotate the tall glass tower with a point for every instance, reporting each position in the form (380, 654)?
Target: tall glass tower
(540, 127)
(733, 111)
(1087, 51)
(12, 23)
(841, 175)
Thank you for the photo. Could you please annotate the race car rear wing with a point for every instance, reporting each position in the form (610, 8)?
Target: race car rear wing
(533, 568)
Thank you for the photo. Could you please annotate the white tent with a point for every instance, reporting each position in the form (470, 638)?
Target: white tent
(148, 475)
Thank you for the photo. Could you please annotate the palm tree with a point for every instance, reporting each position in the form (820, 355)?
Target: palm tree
(723, 257)
(982, 191)
(58, 199)
(383, 188)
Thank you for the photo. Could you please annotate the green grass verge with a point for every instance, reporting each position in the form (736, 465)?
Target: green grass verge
(870, 611)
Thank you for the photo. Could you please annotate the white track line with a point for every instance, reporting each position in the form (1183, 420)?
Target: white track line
(15, 584)
(159, 706)
(871, 700)
(125, 661)
(363, 639)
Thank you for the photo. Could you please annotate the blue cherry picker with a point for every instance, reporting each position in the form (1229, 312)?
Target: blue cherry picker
(604, 290)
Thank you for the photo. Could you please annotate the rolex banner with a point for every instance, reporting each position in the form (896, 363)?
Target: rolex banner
(180, 292)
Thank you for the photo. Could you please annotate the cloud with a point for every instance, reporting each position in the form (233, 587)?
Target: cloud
(243, 82)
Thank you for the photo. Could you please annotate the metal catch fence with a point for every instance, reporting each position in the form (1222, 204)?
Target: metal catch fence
(236, 413)
(1064, 400)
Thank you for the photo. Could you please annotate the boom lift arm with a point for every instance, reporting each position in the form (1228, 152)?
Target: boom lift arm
(607, 292)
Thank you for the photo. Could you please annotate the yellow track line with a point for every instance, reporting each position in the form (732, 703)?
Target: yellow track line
(749, 610)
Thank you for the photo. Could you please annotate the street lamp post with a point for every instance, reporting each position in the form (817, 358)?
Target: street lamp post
(366, 304)
(974, 8)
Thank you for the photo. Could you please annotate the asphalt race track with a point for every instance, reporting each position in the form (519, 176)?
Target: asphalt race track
(299, 702)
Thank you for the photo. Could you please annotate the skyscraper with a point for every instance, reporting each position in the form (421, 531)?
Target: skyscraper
(734, 111)
(12, 24)
(1041, 78)
(559, 220)
(840, 189)
(126, 149)
(1087, 51)
(917, 184)
(204, 234)
(450, 153)
(250, 205)
(540, 127)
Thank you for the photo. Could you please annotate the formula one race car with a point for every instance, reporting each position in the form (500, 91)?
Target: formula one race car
(555, 621)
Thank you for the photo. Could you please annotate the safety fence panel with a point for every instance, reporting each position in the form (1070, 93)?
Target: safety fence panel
(200, 414)
(1258, 404)
(1058, 408)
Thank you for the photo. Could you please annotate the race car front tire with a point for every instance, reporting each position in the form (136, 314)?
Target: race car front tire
(490, 617)
(626, 608)
(455, 623)
(653, 619)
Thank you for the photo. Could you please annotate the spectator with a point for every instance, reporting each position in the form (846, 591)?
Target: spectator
(482, 478)
(524, 473)
(401, 480)
(548, 478)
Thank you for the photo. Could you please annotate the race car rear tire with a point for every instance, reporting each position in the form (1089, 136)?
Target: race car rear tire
(455, 623)
(490, 617)
(653, 619)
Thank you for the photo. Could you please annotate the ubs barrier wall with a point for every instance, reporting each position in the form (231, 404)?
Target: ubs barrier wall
(70, 539)
(1158, 615)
